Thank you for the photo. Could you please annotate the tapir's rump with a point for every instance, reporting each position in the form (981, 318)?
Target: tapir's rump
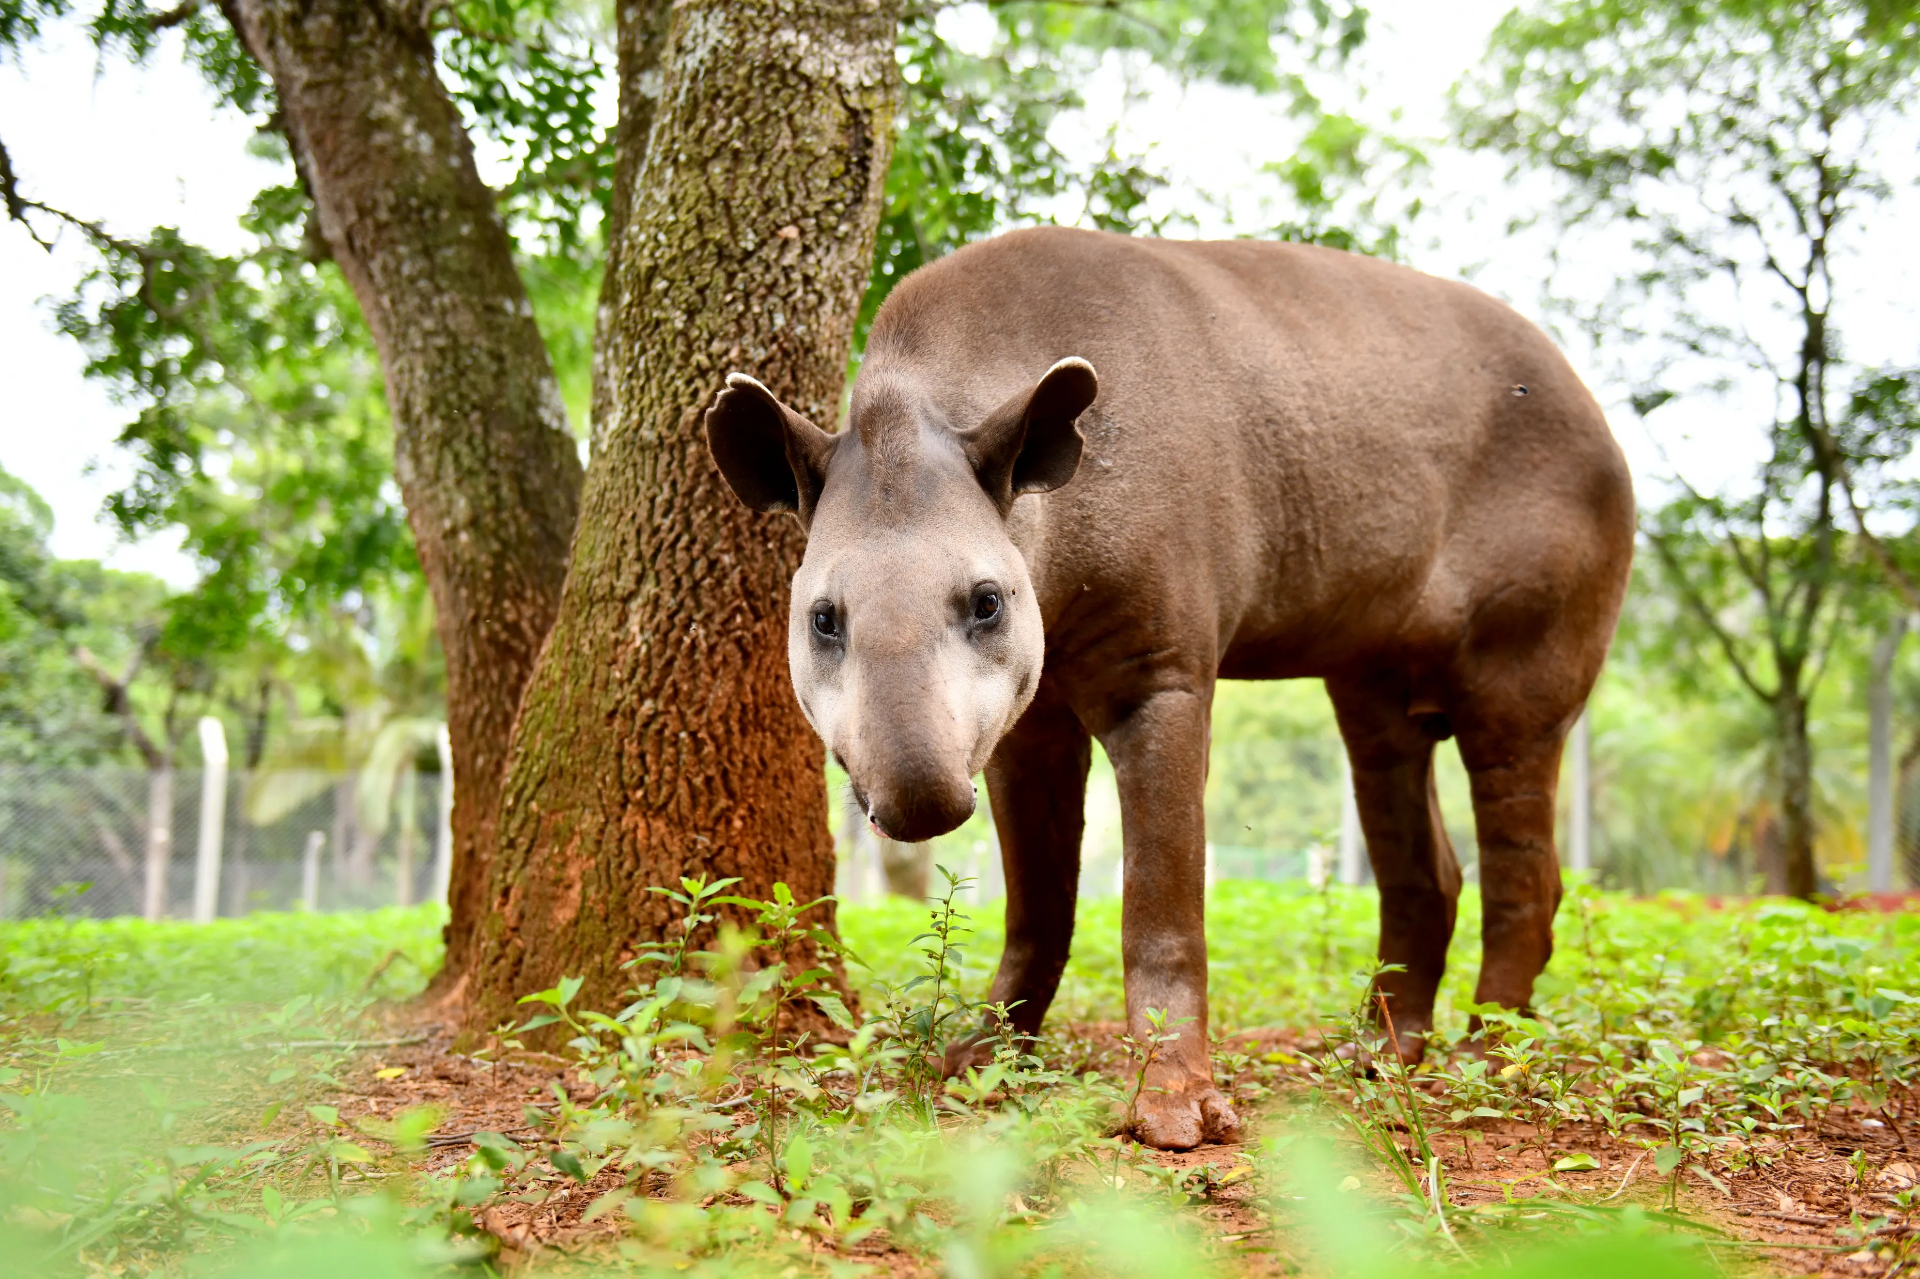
(1258, 461)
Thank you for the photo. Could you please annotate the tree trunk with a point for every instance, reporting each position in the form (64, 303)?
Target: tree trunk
(1796, 790)
(908, 867)
(485, 458)
(660, 736)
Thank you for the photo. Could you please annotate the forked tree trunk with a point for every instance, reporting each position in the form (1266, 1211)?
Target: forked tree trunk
(1796, 790)
(485, 459)
(660, 736)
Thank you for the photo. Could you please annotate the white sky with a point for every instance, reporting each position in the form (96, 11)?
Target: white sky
(141, 147)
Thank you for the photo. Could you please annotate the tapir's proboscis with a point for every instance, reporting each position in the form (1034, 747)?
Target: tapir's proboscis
(1084, 475)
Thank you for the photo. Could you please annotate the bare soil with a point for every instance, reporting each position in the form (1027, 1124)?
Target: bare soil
(1800, 1204)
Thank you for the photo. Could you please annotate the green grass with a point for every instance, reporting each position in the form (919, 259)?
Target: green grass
(263, 958)
(142, 1065)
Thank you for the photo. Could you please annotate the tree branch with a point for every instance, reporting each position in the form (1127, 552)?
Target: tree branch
(1698, 605)
(119, 700)
(173, 17)
(18, 206)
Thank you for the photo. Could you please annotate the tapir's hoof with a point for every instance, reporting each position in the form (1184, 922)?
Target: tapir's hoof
(1184, 1118)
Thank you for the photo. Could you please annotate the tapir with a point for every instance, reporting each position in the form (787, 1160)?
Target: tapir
(1084, 475)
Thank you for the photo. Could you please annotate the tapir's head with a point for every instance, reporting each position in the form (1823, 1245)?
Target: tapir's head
(914, 638)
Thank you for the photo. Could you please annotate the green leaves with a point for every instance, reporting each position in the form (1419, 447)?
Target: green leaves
(973, 156)
(1723, 150)
(834, 1007)
(525, 77)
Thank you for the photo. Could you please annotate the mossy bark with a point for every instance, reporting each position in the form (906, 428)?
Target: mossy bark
(486, 462)
(660, 736)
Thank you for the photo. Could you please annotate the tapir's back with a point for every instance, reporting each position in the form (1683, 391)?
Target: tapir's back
(1320, 453)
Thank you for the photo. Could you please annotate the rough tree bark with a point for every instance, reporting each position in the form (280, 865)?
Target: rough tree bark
(1795, 751)
(485, 459)
(660, 736)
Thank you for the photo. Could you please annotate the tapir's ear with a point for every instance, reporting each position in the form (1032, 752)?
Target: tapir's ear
(1030, 444)
(773, 458)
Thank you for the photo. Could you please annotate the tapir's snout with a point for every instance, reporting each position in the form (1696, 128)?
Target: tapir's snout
(912, 803)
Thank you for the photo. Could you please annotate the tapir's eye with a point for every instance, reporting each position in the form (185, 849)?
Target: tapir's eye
(826, 621)
(986, 602)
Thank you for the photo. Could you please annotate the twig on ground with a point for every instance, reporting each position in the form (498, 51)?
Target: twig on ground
(1631, 1169)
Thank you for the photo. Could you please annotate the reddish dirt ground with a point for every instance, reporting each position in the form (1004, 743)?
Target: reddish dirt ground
(1799, 1202)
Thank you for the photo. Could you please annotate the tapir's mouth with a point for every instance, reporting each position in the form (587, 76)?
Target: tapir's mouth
(866, 808)
(918, 824)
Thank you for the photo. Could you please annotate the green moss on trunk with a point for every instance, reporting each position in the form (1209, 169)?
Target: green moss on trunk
(660, 736)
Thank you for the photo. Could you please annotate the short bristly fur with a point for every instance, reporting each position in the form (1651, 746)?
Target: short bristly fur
(1300, 463)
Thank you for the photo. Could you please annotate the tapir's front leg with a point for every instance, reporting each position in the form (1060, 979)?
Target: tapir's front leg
(1159, 753)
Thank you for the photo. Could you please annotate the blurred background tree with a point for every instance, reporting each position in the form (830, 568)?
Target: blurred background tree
(1734, 144)
(1723, 154)
(233, 364)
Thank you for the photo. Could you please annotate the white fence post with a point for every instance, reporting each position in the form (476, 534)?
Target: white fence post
(310, 870)
(1880, 781)
(213, 817)
(1580, 818)
(443, 836)
(159, 839)
(1353, 844)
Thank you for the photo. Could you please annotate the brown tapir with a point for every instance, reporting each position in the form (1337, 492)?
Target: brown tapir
(1084, 476)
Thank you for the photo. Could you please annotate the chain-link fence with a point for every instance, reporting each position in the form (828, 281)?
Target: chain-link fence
(113, 841)
(1276, 810)
(101, 841)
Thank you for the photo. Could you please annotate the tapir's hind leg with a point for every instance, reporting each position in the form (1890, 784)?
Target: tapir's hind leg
(1037, 782)
(1515, 770)
(1413, 861)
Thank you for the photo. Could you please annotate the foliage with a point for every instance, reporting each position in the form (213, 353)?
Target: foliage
(1276, 767)
(974, 154)
(1735, 144)
(263, 958)
(51, 711)
(723, 1137)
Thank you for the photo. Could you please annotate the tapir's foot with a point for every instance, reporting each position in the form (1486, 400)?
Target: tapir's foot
(1180, 1117)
